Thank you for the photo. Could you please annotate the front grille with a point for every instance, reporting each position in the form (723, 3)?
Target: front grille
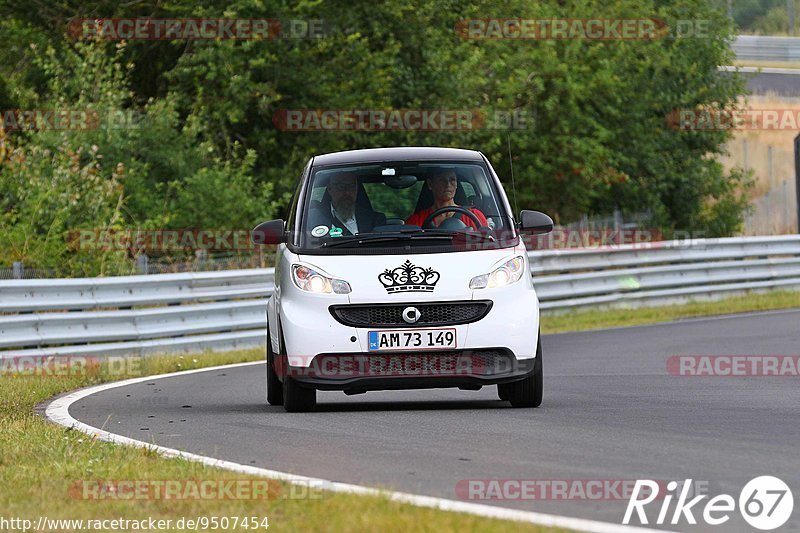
(431, 314)
(479, 362)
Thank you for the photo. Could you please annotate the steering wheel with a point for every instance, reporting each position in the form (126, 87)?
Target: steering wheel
(428, 223)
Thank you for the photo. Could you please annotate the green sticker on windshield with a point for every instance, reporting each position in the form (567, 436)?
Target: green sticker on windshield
(335, 232)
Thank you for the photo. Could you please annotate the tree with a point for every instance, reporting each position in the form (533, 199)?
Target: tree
(197, 133)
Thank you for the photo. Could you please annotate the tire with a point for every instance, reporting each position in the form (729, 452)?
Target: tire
(297, 399)
(528, 392)
(274, 385)
(502, 392)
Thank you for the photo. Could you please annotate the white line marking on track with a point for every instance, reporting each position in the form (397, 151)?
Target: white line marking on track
(57, 411)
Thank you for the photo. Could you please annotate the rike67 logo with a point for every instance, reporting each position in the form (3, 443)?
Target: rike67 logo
(765, 503)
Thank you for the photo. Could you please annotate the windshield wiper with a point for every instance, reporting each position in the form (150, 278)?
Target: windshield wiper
(417, 235)
(386, 238)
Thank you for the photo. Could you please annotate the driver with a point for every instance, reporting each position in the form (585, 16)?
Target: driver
(344, 211)
(443, 185)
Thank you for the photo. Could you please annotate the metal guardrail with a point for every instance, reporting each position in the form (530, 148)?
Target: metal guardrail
(226, 310)
(130, 291)
(766, 48)
(664, 272)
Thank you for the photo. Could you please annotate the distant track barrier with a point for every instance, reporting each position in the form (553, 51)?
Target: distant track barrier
(226, 310)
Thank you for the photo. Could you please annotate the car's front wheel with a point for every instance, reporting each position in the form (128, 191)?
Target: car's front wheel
(274, 386)
(298, 399)
(502, 392)
(526, 392)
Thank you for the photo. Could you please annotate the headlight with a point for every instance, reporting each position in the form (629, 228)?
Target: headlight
(506, 274)
(308, 279)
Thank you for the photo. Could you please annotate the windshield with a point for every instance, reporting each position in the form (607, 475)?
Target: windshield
(408, 203)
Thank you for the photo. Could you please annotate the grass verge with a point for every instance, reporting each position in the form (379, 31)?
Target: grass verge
(41, 464)
(767, 64)
(612, 318)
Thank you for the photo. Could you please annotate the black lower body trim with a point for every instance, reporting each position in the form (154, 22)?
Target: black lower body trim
(361, 372)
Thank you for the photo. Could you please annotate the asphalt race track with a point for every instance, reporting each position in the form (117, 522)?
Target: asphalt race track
(779, 84)
(776, 82)
(611, 412)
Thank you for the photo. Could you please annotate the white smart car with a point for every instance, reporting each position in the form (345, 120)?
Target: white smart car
(402, 268)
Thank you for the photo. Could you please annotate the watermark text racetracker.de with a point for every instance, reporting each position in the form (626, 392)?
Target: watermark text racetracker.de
(192, 29)
(72, 119)
(734, 365)
(98, 490)
(744, 119)
(161, 240)
(52, 366)
(559, 489)
(440, 364)
(591, 29)
(61, 119)
(375, 120)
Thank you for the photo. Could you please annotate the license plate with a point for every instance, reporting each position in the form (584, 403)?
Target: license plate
(412, 339)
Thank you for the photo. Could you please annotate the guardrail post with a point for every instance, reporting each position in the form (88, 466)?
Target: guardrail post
(797, 177)
(786, 224)
(142, 265)
(201, 258)
(17, 270)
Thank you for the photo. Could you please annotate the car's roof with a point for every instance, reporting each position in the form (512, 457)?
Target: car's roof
(410, 153)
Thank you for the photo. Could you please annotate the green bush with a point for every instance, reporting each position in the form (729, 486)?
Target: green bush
(198, 148)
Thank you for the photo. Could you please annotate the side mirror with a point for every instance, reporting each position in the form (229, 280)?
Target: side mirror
(535, 222)
(270, 232)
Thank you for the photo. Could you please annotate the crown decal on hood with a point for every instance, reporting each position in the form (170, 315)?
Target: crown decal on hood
(409, 278)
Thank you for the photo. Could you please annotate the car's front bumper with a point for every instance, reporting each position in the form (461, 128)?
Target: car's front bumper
(360, 372)
(309, 328)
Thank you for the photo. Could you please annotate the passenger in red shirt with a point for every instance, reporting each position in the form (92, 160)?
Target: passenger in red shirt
(443, 186)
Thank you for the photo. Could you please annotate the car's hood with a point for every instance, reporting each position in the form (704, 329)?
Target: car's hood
(411, 277)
